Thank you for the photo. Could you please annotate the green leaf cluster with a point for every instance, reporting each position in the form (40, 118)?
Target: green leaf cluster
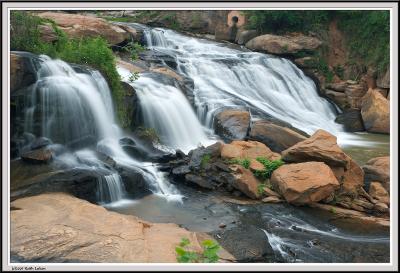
(244, 162)
(269, 167)
(208, 255)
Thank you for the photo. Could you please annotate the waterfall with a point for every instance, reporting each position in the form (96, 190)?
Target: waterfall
(76, 109)
(167, 110)
(226, 77)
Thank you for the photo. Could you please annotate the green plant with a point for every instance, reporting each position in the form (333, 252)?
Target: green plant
(204, 160)
(133, 76)
(134, 49)
(260, 188)
(333, 210)
(245, 162)
(269, 167)
(94, 52)
(209, 254)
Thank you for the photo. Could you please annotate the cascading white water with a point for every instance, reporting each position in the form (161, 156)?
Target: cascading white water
(73, 106)
(225, 77)
(167, 110)
(112, 189)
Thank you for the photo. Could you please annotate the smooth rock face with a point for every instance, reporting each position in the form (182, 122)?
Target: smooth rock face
(42, 155)
(321, 146)
(375, 111)
(243, 37)
(232, 124)
(81, 26)
(378, 169)
(60, 228)
(247, 149)
(283, 44)
(377, 191)
(245, 181)
(277, 138)
(353, 178)
(304, 183)
(352, 121)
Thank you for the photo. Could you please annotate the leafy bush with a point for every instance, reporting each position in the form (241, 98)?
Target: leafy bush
(245, 162)
(209, 254)
(369, 35)
(269, 167)
(134, 49)
(280, 21)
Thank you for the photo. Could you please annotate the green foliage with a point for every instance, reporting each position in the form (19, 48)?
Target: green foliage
(333, 210)
(134, 49)
(133, 76)
(369, 35)
(269, 167)
(148, 133)
(205, 159)
(171, 20)
(94, 52)
(339, 70)
(260, 188)
(280, 21)
(245, 162)
(209, 254)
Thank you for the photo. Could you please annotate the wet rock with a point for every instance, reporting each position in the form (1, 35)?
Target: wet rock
(200, 181)
(245, 181)
(84, 232)
(321, 146)
(40, 142)
(197, 156)
(304, 183)
(247, 149)
(222, 225)
(81, 26)
(352, 121)
(283, 44)
(377, 191)
(338, 98)
(232, 124)
(272, 199)
(277, 138)
(246, 243)
(375, 111)
(22, 73)
(42, 155)
(134, 179)
(378, 169)
(181, 170)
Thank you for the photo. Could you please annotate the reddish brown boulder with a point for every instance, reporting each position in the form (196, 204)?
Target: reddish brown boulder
(232, 124)
(321, 146)
(277, 138)
(247, 149)
(378, 169)
(377, 191)
(375, 111)
(304, 183)
(245, 181)
(350, 180)
(81, 26)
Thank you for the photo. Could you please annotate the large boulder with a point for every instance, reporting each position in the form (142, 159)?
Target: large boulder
(22, 73)
(354, 93)
(232, 124)
(276, 137)
(81, 26)
(351, 120)
(247, 149)
(57, 227)
(244, 36)
(304, 183)
(350, 179)
(378, 192)
(321, 146)
(283, 44)
(378, 169)
(245, 181)
(375, 111)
